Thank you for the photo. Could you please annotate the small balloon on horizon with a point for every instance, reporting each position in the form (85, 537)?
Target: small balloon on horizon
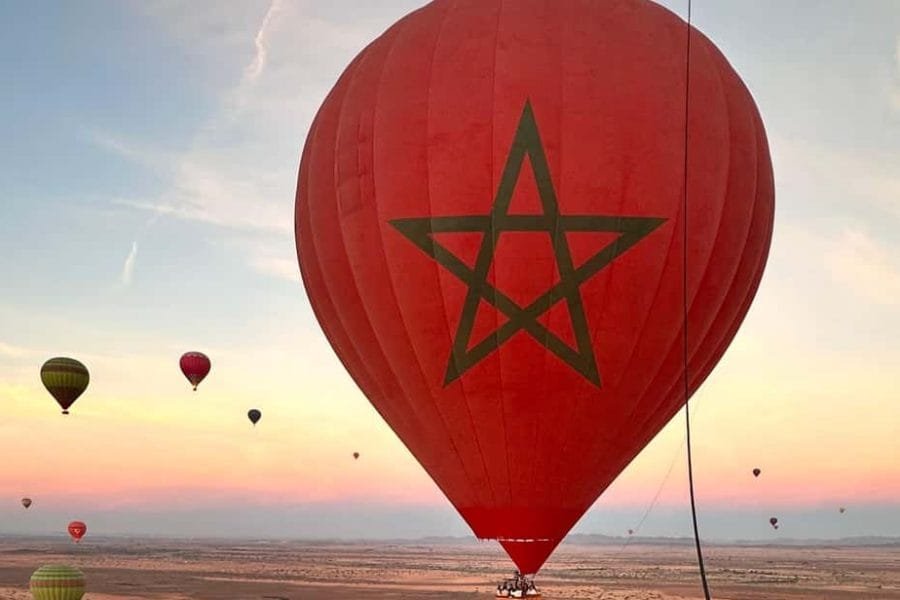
(77, 530)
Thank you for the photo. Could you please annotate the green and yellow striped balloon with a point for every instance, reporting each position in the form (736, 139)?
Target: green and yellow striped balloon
(65, 379)
(57, 582)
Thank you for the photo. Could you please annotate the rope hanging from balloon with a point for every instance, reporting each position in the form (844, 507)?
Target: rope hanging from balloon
(687, 412)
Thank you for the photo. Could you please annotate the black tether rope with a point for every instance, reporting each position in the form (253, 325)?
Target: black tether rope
(687, 412)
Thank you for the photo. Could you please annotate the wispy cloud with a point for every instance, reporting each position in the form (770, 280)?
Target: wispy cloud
(128, 267)
(895, 90)
(240, 169)
(866, 266)
(850, 181)
(13, 351)
(261, 42)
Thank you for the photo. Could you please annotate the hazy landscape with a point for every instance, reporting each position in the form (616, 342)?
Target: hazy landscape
(592, 568)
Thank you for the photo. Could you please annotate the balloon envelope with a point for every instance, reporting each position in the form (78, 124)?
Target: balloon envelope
(756, 472)
(773, 522)
(195, 366)
(26, 502)
(490, 226)
(65, 379)
(77, 529)
(57, 582)
(355, 455)
(254, 415)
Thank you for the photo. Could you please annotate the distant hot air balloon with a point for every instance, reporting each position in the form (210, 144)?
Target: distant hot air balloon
(631, 532)
(355, 455)
(77, 529)
(493, 231)
(195, 366)
(842, 509)
(254, 415)
(26, 502)
(773, 522)
(65, 379)
(57, 582)
(756, 472)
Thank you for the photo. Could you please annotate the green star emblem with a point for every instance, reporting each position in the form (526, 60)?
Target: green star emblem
(419, 231)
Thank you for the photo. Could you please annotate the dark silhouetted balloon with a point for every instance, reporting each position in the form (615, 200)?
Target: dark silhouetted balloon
(195, 366)
(254, 415)
(490, 224)
(355, 455)
(77, 529)
(65, 379)
(842, 509)
(26, 502)
(773, 522)
(756, 472)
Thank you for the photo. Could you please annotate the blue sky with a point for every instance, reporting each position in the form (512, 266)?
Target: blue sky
(148, 176)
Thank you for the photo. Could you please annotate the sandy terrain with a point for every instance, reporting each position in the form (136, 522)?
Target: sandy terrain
(165, 570)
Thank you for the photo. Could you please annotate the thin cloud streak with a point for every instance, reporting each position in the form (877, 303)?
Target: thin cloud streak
(262, 44)
(128, 267)
(865, 266)
(895, 92)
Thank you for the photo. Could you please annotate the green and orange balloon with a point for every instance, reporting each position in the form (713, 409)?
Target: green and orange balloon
(57, 582)
(65, 379)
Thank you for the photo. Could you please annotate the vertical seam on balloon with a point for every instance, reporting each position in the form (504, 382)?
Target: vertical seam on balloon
(387, 360)
(462, 383)
(315, 270)
(494, 241)
(556, 489)
(737, 267)
(462, 462)
(664, 398)
(335, 308)
(614, 440)
(757, 269)
(313, 264)
(725, 337)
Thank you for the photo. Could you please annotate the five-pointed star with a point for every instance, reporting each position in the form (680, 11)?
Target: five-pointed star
(419, 231)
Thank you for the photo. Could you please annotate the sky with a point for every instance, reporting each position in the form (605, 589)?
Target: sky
(148, 171)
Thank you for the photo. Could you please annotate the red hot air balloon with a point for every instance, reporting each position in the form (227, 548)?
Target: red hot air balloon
(77, 529)
(756, 472)
(490, 224)
(195, 366)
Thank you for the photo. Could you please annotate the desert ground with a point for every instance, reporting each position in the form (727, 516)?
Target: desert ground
(178, 570)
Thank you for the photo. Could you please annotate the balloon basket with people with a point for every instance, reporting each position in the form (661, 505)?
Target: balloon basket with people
(518, 586)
